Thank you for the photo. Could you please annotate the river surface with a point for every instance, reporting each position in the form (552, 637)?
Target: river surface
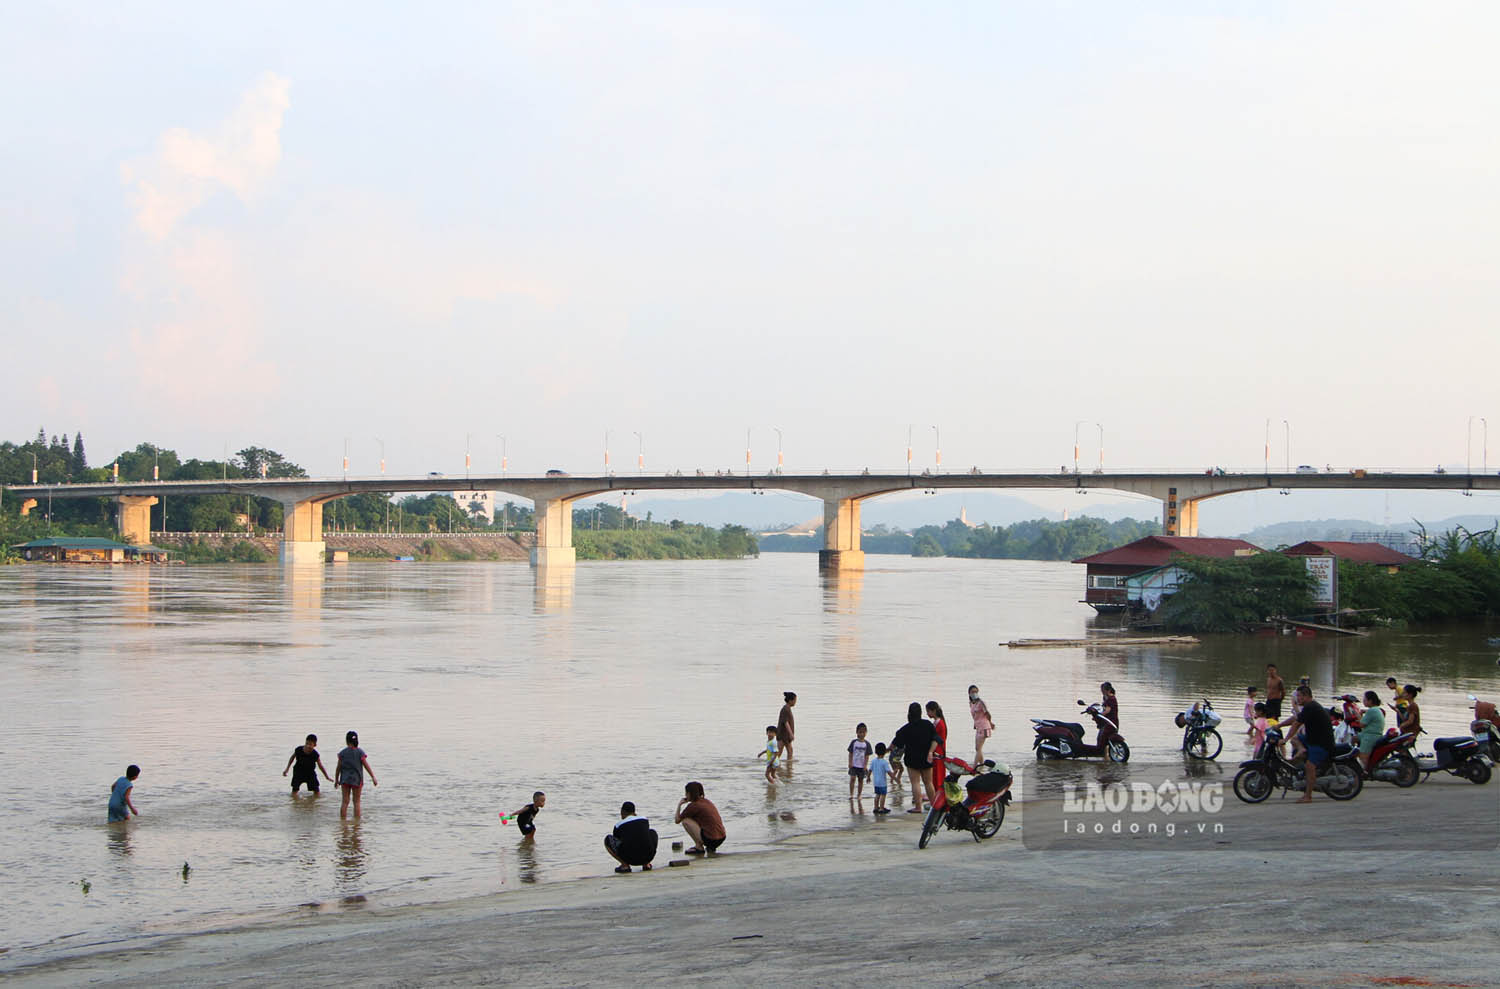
(471, 685)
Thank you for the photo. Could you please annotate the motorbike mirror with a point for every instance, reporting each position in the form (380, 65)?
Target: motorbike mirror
(1082, 704)
(1473, 698)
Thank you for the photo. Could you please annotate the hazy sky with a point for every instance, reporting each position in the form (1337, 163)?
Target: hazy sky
(291, 224)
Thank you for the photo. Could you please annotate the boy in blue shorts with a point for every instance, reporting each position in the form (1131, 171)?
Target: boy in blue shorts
(880, 771)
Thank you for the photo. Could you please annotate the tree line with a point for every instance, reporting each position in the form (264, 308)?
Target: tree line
(1036, 539)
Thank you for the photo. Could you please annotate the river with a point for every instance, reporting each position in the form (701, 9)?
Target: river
(471, 686)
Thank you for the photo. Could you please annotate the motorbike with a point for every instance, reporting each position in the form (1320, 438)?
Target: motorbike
(1391, 762)
(1339, 778)
(1487, 734)
(1458, 755)
(1200, 737)
(1064, 739)
(977, 808)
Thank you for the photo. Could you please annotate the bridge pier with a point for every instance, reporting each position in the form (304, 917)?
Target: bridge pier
(1179, 516)
(302, 532)
(134, 519)
(841, 535)
(554, 533)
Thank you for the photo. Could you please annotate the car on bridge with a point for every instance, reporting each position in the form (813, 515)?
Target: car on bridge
(554, 472)
(1306, 469)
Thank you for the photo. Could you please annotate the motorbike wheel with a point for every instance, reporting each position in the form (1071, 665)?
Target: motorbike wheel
(1344, 783)
(989, 824)
(1477, 771)
(1118, 750)
(1205, 745)
(930, 827)
(1407, 773)
(1252, 785)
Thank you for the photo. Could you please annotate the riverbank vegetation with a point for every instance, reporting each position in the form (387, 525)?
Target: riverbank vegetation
(1037, 539)
(669, 541)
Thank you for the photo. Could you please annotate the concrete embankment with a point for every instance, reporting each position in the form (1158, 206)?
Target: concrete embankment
(422, 546)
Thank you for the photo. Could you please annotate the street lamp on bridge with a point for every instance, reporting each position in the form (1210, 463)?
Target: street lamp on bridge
(908, 449)
(1288, 445)
(778, 448)
(640, 453)
(504, 460)
(606, 451)
(747, 451)
(1101, 447)
(938, 449)
(382, 455)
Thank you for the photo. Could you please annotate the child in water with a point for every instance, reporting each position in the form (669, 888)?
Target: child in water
(352, 768)
(527, 814)
(120, 805)
(769, 753)
(306, 758)
(880, 772)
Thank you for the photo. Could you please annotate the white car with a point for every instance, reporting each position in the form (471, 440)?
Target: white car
(1306, 469)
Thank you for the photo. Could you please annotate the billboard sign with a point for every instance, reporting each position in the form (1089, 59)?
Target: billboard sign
(1325, 573)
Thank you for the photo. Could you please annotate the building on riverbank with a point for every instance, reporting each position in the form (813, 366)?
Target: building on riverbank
(1374, 554)
(1109, 575)
(87, 549)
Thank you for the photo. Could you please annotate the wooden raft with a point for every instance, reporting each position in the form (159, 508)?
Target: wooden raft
(1147, 640)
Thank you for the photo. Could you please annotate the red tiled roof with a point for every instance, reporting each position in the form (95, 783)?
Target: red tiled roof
(1354, 552)
(1157, 551)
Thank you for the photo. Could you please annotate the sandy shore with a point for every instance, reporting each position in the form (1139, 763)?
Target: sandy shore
(865, 907)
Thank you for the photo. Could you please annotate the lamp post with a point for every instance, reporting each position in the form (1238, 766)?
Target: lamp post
(640, 453)
(504, 460)
(1101, 447)
(1268, 446)
(778, 449)
(908, 449)
(1288, 426)
(937, 449)
(606, 452)
(468, 457)
(1485, 443)
(747, 451)
(155, 464)
(1076, 424)
(382, 455)
(1469, 446)
(346, 458)
(33, 468)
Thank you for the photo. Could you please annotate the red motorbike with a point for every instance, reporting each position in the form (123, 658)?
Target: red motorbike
(977, 808)
(1065, 739)
(1391, 760)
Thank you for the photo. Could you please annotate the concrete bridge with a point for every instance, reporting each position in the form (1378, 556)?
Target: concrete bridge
(842, 495)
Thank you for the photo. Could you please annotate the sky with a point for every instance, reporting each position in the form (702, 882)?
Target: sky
(1171, 229)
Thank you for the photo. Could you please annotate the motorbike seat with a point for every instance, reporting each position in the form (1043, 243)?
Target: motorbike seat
(1072, 726)
(989, 783)
(1342, 748)
(1455, 742)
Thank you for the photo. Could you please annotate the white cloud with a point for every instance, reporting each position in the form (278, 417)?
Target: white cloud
(188, 168)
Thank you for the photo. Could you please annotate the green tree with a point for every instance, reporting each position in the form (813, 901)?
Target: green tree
(1224, 595)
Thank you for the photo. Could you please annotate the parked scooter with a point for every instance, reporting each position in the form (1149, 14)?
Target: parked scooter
(1486, 730)
(1339, 778)
(1065, 739)
(978, 811)
(1457, 755)
(1391, 760)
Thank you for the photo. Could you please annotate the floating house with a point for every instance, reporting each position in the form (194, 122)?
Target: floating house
(1374, 554)
(88, 549)
(1131, 575)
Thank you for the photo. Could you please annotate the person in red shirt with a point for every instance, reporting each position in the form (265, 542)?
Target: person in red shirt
(700, 819)
(939, 751)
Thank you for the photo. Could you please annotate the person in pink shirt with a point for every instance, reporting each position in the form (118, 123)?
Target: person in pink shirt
(1258, 727)
(1250, 710)
(984, 724)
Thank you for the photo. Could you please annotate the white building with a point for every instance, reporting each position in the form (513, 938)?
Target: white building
(486, 501)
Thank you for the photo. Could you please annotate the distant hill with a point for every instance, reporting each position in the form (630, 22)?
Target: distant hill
(1291, 533)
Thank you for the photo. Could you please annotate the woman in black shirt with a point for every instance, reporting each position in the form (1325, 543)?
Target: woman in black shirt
(915, 739)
